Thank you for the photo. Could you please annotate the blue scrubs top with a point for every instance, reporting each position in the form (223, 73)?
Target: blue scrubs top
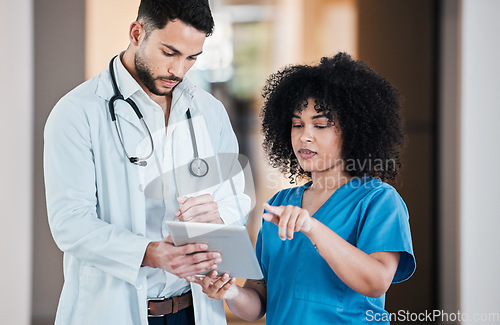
(301, 286)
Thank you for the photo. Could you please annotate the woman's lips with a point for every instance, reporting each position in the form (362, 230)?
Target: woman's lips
(306, 153)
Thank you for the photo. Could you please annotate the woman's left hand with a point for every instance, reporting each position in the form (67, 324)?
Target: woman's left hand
(289, 219)
(216, 287)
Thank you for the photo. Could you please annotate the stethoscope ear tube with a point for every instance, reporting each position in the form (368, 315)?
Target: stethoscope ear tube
(111, 105)
(117, 95)
(135, 108)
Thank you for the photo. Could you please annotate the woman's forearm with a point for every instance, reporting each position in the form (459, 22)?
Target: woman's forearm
(250, 301)
(369, 275)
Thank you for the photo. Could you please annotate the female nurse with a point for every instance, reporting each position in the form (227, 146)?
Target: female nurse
(329, 249)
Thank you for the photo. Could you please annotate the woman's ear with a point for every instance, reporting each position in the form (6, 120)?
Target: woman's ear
(137, 33)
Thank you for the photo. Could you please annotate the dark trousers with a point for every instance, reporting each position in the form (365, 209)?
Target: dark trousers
(182, 317)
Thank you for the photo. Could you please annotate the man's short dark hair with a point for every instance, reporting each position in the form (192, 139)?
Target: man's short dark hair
(157, 13)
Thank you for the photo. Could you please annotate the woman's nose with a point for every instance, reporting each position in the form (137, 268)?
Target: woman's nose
(307, 135)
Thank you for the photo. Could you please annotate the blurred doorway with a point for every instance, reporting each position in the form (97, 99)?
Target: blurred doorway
(398, 39)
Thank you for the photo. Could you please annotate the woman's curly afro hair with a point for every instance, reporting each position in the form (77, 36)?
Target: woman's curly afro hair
(364, 105)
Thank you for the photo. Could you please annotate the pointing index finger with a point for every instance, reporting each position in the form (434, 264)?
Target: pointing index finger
(273, 209)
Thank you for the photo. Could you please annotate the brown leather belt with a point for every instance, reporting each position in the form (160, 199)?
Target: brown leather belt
(158, 307)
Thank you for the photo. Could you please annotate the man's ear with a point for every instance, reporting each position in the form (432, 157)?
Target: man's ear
(137, 33)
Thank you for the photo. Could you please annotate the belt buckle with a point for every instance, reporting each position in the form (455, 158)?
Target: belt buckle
(155, 300)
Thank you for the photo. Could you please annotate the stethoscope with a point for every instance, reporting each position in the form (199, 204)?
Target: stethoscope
(198, 167)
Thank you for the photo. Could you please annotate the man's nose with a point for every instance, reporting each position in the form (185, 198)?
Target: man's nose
(176, 68)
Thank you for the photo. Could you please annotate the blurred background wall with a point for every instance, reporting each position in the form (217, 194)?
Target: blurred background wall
(16, 167)
(441, 55)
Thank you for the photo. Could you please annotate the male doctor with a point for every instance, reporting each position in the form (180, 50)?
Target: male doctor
(107, 212)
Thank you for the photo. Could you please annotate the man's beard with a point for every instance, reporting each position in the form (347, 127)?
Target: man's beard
(146, 77)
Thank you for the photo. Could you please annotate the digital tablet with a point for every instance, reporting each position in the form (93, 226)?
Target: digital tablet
(233, 243)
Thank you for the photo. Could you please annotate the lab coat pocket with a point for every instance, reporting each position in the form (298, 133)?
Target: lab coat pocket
(98, 298)
(90, 281)
(315, 281)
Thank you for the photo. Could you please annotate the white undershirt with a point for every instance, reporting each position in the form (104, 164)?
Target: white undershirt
(160, 282)
(158, 185)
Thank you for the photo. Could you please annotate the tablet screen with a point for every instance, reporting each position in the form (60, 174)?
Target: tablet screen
(233, 243)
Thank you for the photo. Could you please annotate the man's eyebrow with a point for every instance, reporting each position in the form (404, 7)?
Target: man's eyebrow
(177, 51)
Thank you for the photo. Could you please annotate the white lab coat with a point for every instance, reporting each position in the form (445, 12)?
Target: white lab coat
(96, 202)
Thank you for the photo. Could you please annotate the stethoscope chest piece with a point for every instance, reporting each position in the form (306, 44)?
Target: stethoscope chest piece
(198, 167)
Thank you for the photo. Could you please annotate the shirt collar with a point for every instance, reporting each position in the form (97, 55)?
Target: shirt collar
(126, 83)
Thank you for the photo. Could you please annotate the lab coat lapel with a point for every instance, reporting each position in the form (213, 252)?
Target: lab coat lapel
(181, 141)
(183, 154)
(124, 112)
